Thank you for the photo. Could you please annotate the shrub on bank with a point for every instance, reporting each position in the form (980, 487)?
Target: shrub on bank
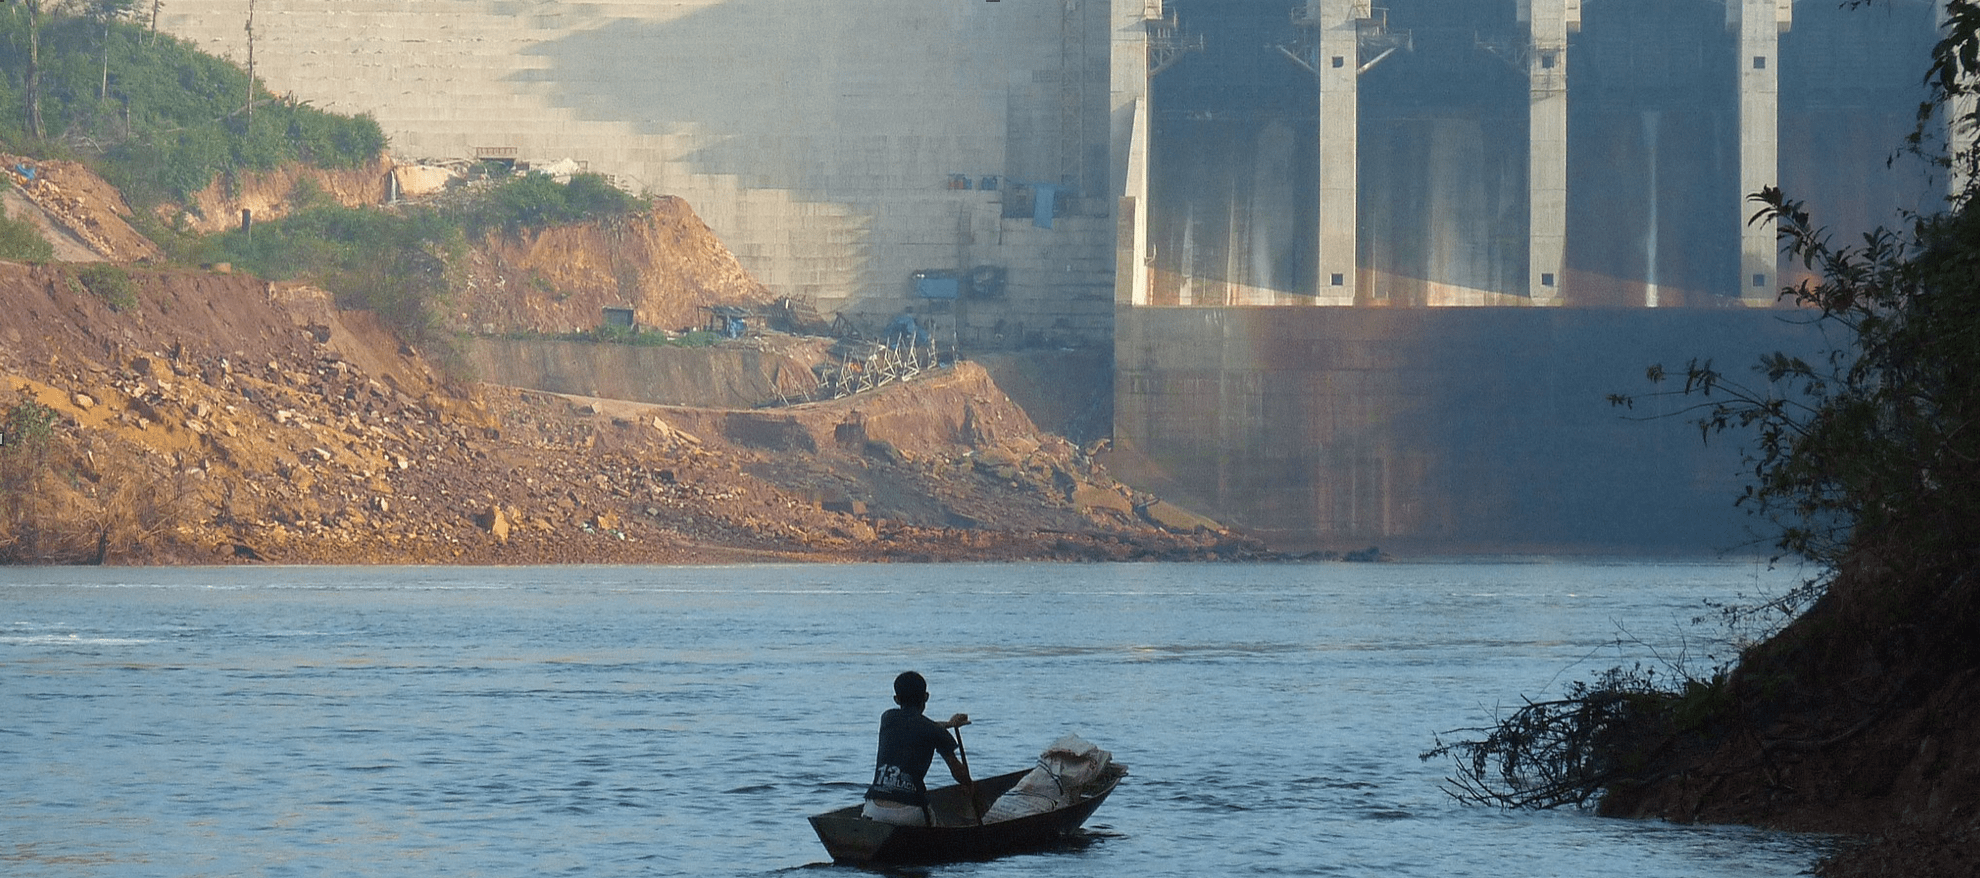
(107, 282)
(535, 201)
(21, 241)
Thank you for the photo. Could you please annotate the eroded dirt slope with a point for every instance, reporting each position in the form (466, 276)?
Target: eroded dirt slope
(83, 216)
(224, 418)
(666, 265)
(269, 195)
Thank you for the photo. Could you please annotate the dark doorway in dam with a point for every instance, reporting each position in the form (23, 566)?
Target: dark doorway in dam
(1654, 204)
(1443, 174)
(1233, 157)
(1654, 207)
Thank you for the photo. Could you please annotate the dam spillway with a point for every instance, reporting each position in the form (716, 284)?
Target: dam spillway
(1549, 197)
(1212, 169)
(1633, 195)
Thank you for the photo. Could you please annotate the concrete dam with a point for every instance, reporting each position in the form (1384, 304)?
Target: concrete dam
(1367, 270)
(1488, 161)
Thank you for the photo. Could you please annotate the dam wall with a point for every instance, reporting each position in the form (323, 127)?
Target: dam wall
(1662, 136)
(1437, 430)
(1147, 174)
(839, 148)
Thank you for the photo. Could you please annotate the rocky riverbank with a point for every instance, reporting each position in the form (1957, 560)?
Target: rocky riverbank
(224, 419)
(204, 416)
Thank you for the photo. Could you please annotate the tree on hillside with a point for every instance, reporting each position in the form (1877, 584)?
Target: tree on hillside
(1867, 459)
(34, 68)
(164, 120)
(107, 12)
(250, 65)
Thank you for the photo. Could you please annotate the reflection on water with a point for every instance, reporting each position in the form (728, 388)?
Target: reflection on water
(684, 721)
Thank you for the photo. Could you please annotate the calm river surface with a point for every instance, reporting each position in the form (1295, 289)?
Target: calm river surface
(683, 721)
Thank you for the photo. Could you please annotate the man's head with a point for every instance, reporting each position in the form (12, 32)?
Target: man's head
(910, 690)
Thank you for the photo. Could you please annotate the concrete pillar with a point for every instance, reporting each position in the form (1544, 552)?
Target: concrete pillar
(1128, 82)
(1131, 247)
(1128, 139)
(1337, 31)
(1548, 24)
(1759, 24)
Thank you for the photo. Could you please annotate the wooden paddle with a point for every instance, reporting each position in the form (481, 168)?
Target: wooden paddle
(962, 756)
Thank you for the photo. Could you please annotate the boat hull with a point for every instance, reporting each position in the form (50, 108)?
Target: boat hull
(956, 836)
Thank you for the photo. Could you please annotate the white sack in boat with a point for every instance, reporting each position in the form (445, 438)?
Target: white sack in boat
(1064, 771)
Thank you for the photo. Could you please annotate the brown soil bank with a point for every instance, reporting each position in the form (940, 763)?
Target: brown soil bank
(221, 418)
(83, 216)
(269, 195)
(1862, 717)
(664, 264)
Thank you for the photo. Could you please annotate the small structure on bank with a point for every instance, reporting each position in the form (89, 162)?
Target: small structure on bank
(732, 321)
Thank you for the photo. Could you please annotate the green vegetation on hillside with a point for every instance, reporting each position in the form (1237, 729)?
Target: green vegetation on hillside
(159, 118)
(394, 261)
(534, 201)
(26, 431)
(105, 281)
(21, 240)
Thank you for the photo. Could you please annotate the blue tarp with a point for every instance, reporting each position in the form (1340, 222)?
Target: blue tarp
(1041, 205)
(941, 286)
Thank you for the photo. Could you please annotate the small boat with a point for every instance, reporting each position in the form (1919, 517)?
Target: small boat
(956, 834)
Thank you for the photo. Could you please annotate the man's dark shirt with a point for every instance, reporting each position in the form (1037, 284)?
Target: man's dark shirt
(908, 742)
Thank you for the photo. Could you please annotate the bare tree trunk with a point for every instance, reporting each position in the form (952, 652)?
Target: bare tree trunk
(103, 89)
(250, 66)
(34, 69)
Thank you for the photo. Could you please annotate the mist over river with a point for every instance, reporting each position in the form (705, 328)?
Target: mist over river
(603, 721)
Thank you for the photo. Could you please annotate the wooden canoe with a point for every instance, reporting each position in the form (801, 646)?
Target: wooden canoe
(851, 838)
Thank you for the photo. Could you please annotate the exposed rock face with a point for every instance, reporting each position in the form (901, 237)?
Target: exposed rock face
(269, 194)
(1091, 497)
(1175, 518)
(496, 522)
(665, 265)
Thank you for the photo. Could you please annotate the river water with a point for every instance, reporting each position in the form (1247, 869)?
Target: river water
(604, 721)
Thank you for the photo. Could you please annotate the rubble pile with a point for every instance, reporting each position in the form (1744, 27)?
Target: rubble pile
(315, 461)
(76, 203)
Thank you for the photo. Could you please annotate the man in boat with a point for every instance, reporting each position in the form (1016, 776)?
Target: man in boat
(908, 743)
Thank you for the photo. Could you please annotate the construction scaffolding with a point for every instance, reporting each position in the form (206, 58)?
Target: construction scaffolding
(859, 366)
